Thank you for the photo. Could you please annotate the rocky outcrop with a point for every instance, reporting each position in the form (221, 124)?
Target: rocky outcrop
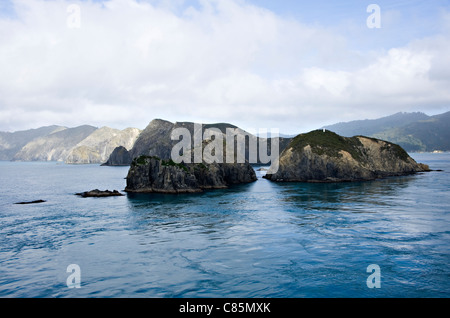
(155, 139)
(99, 193)
(323, 156)
(152, 174)
(119, 157)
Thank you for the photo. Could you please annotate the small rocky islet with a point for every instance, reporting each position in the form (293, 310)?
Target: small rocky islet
(96, 193)
(150, 174)
(324, 156)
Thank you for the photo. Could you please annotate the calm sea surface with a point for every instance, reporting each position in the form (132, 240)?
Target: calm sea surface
(258, 240)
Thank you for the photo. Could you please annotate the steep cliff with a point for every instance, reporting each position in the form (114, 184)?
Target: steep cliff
(154, 140)
(98, 146)
(152, 174)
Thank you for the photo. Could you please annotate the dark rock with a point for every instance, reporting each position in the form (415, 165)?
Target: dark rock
(155, 139)
(151, 174)
(31, 202)
(323, 156)
(98, 193)
(119, 157)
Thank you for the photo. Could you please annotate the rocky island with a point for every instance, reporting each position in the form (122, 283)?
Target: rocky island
(324, 156)
(149, 174)
(96, 193)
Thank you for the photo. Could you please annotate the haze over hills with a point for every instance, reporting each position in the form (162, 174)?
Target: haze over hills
(12, 142)
(412, 131)
(83, 144)
(368, 127)
(55, 146)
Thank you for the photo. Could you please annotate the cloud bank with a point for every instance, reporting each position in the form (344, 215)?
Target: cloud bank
(218, 61)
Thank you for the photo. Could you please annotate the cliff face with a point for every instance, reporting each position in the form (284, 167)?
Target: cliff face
(327, 157)
(154, 140)
(55, 146)
(151, 174)
(98, 146)
(11, 143)
(79, 145)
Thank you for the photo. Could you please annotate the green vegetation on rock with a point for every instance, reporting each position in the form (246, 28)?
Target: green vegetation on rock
(328, 143)
(326, 162)
(397, 150)
(142, 160)
(172, 163)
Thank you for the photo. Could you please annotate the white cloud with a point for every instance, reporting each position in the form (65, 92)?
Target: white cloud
(130, 62)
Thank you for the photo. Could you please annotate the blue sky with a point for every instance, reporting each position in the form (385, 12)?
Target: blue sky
(292, 65)
(402, 21)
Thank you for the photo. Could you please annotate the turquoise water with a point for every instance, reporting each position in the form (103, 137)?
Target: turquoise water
(257, 240)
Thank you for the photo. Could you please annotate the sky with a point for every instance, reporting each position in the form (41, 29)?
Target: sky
(258, 64)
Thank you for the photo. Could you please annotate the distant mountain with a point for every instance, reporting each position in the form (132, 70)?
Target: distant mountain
(12, 142)
(98, 146)
(55, 146)
(78, 145)
(88, 144)
(412, 131)
(368, 127)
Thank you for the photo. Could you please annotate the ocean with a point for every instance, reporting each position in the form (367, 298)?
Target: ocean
(265, 239)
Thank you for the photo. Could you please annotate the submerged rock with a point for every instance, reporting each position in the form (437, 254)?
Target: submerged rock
(323, 156)
(152, 174)
(98, 193)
